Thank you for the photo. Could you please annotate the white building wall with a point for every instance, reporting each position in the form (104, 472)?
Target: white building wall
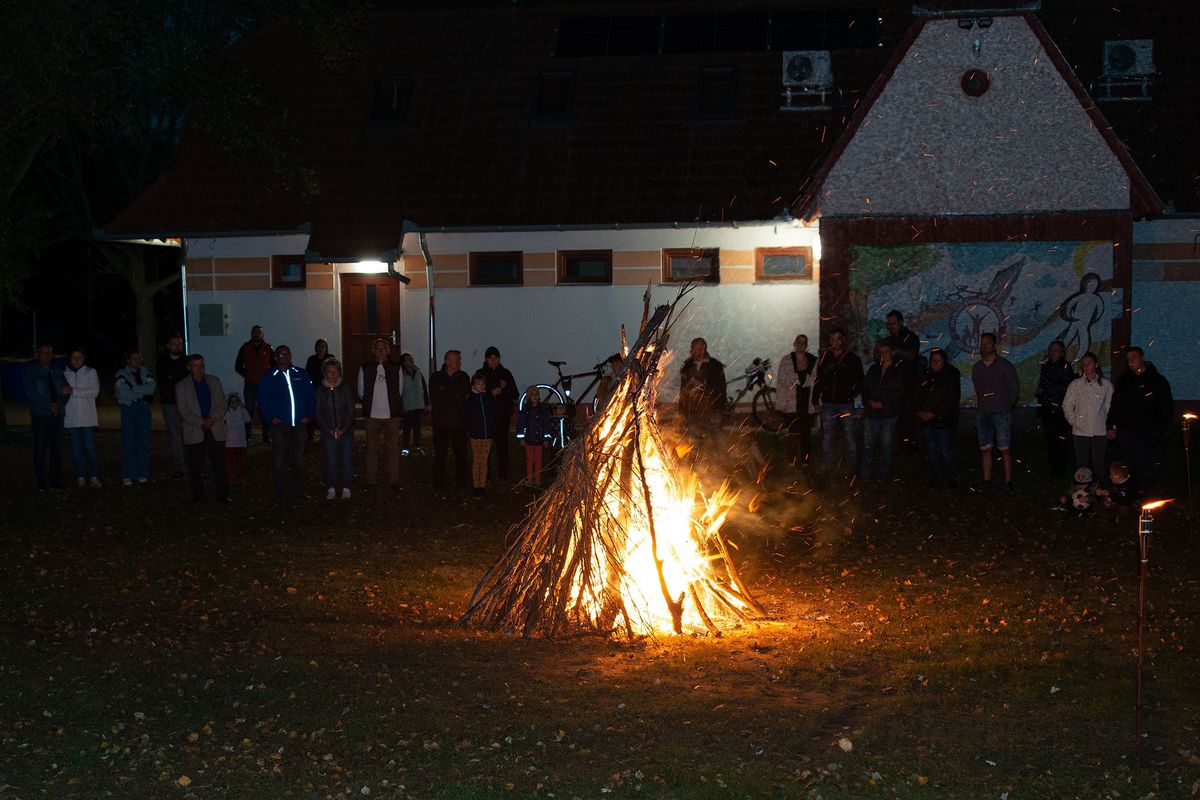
(1166, 299)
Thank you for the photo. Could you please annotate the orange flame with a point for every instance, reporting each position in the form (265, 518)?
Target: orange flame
(1190, 416)
(1156, 504)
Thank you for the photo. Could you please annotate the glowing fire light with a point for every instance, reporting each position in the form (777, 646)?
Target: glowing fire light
(1156, 504)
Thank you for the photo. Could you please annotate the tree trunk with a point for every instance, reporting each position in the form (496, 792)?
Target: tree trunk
(129, 261)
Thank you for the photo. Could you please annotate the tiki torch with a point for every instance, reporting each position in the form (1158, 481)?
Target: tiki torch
(1187, 459)
(1145, 528)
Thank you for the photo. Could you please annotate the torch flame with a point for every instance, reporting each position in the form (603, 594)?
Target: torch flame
(1155, 504)
(1190, 416)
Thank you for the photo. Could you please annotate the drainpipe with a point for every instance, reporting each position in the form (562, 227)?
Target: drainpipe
(411, 227)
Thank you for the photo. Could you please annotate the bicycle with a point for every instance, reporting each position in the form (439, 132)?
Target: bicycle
(762, 405)
(562, 405)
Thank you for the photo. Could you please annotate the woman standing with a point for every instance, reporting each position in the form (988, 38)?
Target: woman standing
(795, 381)
(1055, 377)
(79, 417)
(314, 369)
(335, 416)
(414, 395)
(938, 396)
(1085, 408)
(135, 387)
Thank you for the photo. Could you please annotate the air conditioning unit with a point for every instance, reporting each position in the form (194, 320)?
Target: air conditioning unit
(1128, 58)
(807, 69)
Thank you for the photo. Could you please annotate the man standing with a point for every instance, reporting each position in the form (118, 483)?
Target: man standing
(503, 387)
(135, 390)
(997, 390)
(287, 402)
(1142, 407)
(1056, 375)
(172, 368)
(449, 388)
(701, 392)
(253, 362)
(43, 386)
(882, 393)
(383, 405)
(839, 381)
(906, 350)
(200, 399)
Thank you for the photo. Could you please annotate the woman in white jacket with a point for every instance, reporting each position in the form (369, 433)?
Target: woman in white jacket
(79, 417)
(1086, 410)
(794, 380)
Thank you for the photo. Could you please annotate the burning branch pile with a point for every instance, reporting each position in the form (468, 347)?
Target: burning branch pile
(625, 537)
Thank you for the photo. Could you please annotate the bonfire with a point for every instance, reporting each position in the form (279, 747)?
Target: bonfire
(625, 539)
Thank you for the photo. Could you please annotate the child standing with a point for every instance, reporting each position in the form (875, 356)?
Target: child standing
(533, 428)
(480, 412)
(237, 422)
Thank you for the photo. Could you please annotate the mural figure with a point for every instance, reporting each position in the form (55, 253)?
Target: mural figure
(1081, 311)
(983, 312)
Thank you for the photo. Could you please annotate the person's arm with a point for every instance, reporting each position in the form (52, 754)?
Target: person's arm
(219, 403)
(424, 389)
(1070, 404)
(239, 365)
(148, 384)
(309, 398)
(362, 386)
(88, 388)
(187, 405)
(123, 390)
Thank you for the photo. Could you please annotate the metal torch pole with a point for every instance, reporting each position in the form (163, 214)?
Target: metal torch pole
(1187, 460)
(1145, 526)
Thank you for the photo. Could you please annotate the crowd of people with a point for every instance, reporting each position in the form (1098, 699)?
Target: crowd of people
(906, 397)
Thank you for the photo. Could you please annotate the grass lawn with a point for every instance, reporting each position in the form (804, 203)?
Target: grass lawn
(922, 644)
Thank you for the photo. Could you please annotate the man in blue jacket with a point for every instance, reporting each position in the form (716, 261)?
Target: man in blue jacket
(43, 387)
(286, 403)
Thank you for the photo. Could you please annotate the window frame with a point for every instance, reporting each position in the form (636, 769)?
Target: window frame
(714, 276)
(277, 281)
(760, 254)
(473, 266)
(561, 257)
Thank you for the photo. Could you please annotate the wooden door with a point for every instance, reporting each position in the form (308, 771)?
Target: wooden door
(370, 310)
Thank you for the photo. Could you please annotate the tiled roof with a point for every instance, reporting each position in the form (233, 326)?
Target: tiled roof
(633, 151)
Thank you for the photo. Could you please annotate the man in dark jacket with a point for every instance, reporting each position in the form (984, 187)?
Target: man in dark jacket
(701, 392)
(938, 397)
(449, 388)
(172, 368)
(287, 402)
(1142, 408)
(839, 381)
(906, 350)
(254, 360)
(882, 393)
(43, 387)
(1056, 376)
(379, 386)
(503, 387)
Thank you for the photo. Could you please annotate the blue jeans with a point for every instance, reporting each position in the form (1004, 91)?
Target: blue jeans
(135, 441)
(840, 415)
(994, 427)
(939, 446)
(338, 451)
(83, 451)
(47, 450)
(878, 432)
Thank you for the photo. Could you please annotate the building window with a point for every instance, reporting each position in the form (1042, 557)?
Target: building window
(288, 272)
(555, 96)
(692, 264)
(783, 264)
(496, 269)
(716, 97)
(585, 266)
(389, 101)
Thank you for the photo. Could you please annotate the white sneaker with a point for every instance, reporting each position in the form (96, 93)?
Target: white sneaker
(330, 493)
(95, 482)
(126, 482)
(80, 482)
(345, 494)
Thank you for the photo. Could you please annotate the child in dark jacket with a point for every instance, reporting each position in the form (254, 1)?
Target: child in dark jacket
(534, 429)
(479, 412)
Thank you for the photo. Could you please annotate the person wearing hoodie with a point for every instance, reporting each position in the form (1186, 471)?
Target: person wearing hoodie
(79, 392)
(479, 416)
(43, 387)
(286, 403)
(335, 418)
(882, 393)
(1056, 375)
(135, 390)
(938, 396)
(1142, 407)
(534, 428)
(414, 397)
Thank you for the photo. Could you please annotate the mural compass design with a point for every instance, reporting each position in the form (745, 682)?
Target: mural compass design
(977, 312)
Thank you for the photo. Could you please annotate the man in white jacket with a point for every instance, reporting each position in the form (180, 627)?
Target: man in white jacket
(79, 393)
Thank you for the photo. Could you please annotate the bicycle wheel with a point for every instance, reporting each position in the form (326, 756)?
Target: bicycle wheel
(763, 410)
(554, 402)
